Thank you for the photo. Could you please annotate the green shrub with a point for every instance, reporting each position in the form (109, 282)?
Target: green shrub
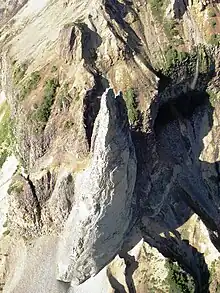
(30, 84)
(68, 124)
(130, 99)
(213, 97)
(213, 23)
(5, 133)
(43, 111)
(170, 29)
(214, 39)
(214, 276)
(211, 12)
(6, 233)
(19, 72)
(54, 69)
(178, 279)
(173, 57)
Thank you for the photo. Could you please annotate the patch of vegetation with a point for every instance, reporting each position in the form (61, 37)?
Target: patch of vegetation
(17, 187)
(205, 61)
(64, 98)
(68, 124)
(6, 233)
(214, 39)
(6, 36)
(213, 97)
(5, 224)
(131, 103)
(178, 279)
(174, 57)
(170, 28)
(43, 111)
(157, 8)
(211, 12)
(5, 133)
(19, 71)
(213, 280)
(54, 69)
(178, 61)
(213, 23)
(30, 84)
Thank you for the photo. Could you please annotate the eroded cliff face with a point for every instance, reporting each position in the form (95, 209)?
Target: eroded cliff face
(104, 198)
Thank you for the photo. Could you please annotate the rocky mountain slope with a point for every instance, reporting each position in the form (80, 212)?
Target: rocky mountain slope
(109, 146)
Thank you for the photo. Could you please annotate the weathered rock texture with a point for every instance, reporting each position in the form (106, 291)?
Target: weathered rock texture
(78, 180)
(102, 211)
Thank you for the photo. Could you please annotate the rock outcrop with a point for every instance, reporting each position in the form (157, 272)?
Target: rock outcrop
(102, 195)
(102, 211)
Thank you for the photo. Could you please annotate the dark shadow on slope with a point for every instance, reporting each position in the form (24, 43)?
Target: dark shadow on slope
(133, 44)
(91, 104)
(118, 287)
(131, 266)
(180, 108)
(91, 40)
(180, 251)
(170, 186)
(180, 7)
(118, 12)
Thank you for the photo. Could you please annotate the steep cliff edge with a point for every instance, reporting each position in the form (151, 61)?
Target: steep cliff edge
(104, 198)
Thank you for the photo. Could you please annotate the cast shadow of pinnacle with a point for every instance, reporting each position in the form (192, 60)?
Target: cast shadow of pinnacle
(91, 104)
(115, 284)
(170, 185)
(180, 7)
(91, 40)
(118, 12)
(133, 45)
(187, 256)
(131, 265)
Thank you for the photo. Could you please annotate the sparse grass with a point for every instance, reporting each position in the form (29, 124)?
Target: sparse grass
(170, 26)
(64, 98)
(16, 187)
(157, 8)
(5, 133)
(131, 103)
(43, 111)
(30, 84)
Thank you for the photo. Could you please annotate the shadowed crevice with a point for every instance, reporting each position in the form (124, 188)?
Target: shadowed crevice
(91, 105)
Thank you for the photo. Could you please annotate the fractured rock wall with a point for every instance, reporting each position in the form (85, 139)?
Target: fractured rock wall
(101, 215)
